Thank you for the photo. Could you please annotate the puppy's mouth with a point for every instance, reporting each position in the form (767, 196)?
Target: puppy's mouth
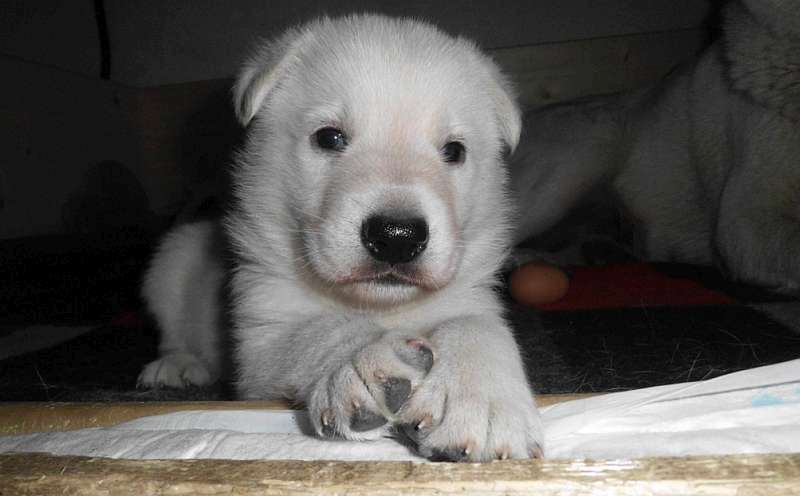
(398, 277)
(392, 280)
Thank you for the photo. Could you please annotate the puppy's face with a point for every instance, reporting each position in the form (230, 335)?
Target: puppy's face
(385, 142)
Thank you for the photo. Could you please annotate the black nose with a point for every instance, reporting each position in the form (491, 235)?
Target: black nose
(394, 241)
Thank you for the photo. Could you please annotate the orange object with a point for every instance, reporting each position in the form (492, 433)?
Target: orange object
(538, 284)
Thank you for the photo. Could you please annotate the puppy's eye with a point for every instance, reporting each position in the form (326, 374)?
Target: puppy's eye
(330, 138)
(454, 152)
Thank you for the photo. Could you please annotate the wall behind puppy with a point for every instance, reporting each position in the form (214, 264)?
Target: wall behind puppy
(164, 119)
(159, 42)
(154, 42)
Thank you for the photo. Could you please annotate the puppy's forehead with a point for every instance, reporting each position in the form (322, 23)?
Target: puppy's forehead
(390, 63)
(395, 41)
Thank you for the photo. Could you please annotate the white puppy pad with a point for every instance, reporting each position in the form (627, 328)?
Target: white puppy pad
(753, 411)
(220, 434)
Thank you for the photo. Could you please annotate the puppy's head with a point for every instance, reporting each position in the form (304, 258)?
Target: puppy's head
(373, 165)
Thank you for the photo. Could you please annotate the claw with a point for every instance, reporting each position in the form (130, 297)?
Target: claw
(536, 451)
(469, 448)
(328, 429)
(426, 421)
(414, 430)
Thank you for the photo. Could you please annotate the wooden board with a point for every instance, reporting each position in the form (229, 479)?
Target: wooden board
(39, 474)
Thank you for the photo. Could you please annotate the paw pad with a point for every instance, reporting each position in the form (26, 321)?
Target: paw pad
(365, 420)
(454, 454)
(395, 393)
(418, 354)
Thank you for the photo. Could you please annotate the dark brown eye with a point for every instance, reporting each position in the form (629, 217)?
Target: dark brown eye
(330, 138)
(454, 152)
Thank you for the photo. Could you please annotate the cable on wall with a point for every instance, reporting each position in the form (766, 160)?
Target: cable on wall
(102, 33)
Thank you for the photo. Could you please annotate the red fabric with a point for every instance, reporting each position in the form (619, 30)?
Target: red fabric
(127, 319)
(632, 285)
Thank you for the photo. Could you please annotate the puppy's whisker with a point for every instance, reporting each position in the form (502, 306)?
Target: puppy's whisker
(306, 213)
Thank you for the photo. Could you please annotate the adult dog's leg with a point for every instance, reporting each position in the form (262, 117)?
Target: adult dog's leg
(758, 232)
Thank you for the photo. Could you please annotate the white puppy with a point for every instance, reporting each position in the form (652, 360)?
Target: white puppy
(707, 163)
(369, 222)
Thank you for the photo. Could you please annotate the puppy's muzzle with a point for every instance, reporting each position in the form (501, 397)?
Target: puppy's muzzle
(394, 240)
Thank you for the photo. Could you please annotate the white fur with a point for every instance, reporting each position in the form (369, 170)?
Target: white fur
(707, 163)
(182, 289)
(311, 321)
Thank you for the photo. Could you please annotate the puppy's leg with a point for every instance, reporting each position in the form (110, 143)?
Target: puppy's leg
(475, 403)
(182, 291)
(175, 370)
(352, 375)
(758, 231)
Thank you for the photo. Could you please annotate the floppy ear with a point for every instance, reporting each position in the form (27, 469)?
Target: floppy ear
(263, 71)
(506, 109)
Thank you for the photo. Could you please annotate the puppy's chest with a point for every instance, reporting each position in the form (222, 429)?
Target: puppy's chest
(401, 323)
(417, 321)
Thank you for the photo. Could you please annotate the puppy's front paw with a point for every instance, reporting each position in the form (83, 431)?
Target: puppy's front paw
(177, 370)
(469, 417)
(361, 395)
